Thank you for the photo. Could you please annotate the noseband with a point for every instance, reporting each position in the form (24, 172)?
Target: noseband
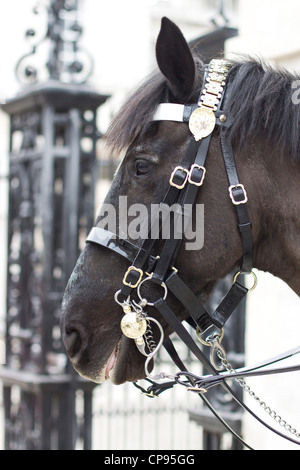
(185, 181)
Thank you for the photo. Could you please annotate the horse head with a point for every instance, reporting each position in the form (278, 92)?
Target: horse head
(211, 244)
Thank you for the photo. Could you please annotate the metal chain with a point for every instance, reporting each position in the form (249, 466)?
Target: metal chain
(272, 413)
(148, 336)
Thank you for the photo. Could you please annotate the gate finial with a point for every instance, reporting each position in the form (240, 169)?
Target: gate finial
(66, 61)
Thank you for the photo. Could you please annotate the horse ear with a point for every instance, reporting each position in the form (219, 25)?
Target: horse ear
(175, 59)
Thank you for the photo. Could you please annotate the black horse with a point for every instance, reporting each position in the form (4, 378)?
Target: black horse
(261, 120)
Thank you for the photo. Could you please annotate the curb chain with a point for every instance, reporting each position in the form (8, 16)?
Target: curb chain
(272, 413)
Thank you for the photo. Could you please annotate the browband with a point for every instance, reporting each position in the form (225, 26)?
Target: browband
(173, 112)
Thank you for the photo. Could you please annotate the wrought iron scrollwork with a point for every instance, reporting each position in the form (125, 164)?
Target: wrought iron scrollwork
(67, 61)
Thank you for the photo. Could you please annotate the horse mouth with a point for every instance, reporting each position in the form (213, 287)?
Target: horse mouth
(110, 365)
(125, 364)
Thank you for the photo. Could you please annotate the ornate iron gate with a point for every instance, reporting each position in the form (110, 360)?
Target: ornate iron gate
(53, 138)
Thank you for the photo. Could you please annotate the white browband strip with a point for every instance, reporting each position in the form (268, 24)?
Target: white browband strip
(169, 112)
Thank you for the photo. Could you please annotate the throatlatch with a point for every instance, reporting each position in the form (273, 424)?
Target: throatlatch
(148, 266)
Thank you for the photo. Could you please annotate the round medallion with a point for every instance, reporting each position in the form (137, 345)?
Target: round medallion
(131, 327)
(202, 122)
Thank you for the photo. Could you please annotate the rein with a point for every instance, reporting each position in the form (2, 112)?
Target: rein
(184, 183)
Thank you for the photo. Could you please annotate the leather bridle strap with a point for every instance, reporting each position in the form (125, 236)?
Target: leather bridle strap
(113, 242)
(175, 323)
(239, 199)
(188, 299)
(178, 181)
(172, 320)
(171, 246)
(184, 171)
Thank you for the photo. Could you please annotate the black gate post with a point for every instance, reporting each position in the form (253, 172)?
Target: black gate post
(52, 160)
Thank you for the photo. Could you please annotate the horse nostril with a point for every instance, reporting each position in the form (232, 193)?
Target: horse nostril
(73, 342)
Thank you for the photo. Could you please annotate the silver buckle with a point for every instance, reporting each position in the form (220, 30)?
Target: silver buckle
(179, 186)
(235, 186)
(199, 167)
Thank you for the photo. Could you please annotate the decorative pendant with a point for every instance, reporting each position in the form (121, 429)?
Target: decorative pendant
(202, 122)
(132, 327)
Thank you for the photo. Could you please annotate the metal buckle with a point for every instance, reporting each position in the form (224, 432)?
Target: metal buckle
(235, 186)
(199, 167)
(179, 168)
(210, 334)
(133, 268)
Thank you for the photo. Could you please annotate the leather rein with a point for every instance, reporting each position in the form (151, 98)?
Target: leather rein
(185, 181)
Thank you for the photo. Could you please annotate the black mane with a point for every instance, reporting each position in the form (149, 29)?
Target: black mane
(134, 117)
(260, 100)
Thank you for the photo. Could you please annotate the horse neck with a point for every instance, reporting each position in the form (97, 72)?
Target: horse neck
(277, 213)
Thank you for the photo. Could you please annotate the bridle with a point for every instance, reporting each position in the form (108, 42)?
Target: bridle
(184, 183)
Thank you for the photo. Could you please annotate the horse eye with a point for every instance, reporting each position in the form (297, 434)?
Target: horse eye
(142, 167)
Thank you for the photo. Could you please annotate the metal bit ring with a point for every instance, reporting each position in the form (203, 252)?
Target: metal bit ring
(151, 304)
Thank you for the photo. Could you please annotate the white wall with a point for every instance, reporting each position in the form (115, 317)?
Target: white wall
(269, 29)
